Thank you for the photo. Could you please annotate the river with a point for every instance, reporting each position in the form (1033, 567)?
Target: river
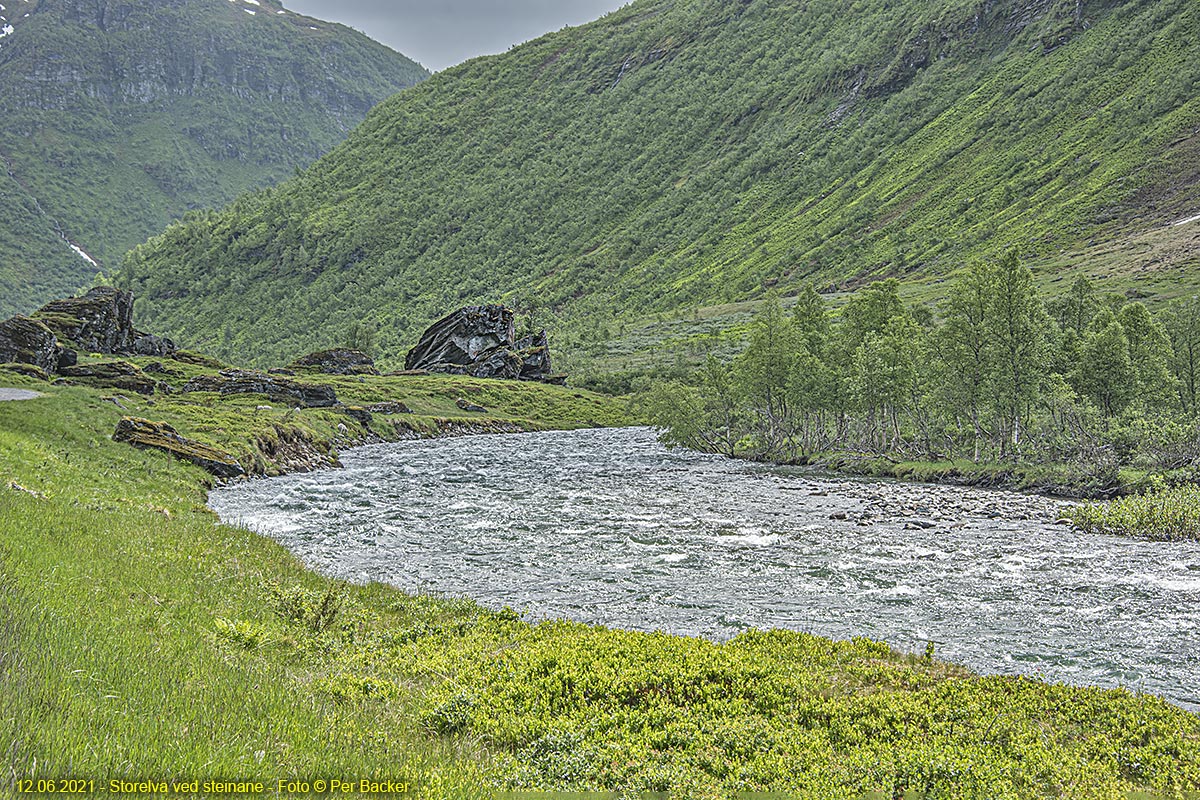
(610, 527)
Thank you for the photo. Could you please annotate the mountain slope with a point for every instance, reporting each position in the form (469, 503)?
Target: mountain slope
(121, 115)
(687, 152)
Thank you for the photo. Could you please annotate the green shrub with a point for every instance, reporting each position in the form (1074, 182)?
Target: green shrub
(1166, 514)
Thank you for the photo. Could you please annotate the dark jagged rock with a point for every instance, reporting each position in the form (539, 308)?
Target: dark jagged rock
(101, 321)
(142, 433)
(150, 345)
(390, 407)
(29, 341)
(481, 341)
(458, 340)
(358, 414)
(534, 352)
(114, 374)
(159, 368)
(281, 371)
(339, 361)
(278, 389)
(467, 405)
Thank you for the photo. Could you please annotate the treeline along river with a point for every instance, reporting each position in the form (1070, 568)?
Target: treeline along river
(610, 527)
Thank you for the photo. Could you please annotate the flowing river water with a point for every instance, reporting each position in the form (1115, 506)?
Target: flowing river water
(610, 527)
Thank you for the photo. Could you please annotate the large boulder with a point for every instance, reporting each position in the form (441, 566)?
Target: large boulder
(29, 341)
(101, 321)
(278, 389)
(143, 434)
(339, 361)
(481, 341)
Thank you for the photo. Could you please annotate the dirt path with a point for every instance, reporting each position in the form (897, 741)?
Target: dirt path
(17, 394)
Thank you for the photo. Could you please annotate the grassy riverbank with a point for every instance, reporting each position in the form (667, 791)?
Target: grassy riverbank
(142, 640)
(1055, 480)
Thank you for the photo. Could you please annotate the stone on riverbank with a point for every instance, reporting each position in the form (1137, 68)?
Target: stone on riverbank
(143, 434)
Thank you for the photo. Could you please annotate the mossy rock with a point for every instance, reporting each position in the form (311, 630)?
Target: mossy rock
(113, 374)
(276, 389)
(197, 359)
(29, 341)
(142, 434)
(28, 370)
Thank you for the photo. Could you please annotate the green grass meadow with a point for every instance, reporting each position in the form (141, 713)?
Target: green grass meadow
(140, 639)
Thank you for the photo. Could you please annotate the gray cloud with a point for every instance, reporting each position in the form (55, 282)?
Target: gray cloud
(441, 33)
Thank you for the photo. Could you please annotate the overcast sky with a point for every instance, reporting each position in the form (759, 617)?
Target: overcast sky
(442, 33)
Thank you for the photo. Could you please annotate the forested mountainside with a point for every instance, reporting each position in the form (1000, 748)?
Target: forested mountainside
(687, 152)
(119, 116)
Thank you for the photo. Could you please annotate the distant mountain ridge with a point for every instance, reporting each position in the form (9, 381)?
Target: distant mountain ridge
(117, 116)
(679, 153)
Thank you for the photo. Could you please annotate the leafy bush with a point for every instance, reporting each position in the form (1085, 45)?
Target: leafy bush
(1168, 513)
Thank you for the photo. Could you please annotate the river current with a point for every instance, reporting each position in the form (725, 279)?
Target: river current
(610, 527)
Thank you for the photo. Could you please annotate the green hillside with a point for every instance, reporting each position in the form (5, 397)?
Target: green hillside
(117, 118)
(682, 153)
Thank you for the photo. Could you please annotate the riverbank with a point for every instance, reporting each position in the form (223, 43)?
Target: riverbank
(1063, 481)
(141, 639)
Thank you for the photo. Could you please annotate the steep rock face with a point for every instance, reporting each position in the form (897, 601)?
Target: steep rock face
(161, 50)
(28, 341)
(481, 341)
(101, 321)
(122, 115)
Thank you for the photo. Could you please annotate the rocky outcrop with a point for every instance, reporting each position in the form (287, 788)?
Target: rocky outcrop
(196, 359)
(29, 341)
(27, 370)
(481, 341)
(101, 321)
(115, 375)
(144, 434)
(278, 389)
(389, 407)
(359, 415)
(286, 449)
(467, 405)
(339, 361)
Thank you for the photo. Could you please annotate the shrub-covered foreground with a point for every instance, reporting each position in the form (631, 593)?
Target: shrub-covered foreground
(140, 639)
